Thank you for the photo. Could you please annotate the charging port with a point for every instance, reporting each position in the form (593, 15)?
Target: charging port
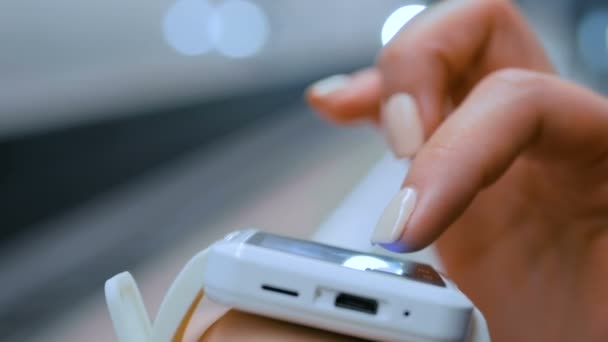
(356, 303)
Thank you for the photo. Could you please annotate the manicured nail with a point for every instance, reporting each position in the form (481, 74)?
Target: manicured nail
(402, 125)
(328, 85)
(392, 223)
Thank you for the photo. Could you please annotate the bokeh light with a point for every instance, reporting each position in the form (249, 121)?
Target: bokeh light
(186, 27)
(592, 37)
(397, 19)
(606, 37)
(239, 28)
(235, 28)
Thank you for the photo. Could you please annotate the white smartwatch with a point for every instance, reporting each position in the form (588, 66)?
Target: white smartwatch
(379, 297)
(365, 295)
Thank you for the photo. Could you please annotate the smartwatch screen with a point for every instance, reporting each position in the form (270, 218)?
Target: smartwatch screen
(348, 258)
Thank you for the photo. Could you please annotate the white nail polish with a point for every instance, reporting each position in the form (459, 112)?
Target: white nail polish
(402, 125)
(392, 223)
(328, 85)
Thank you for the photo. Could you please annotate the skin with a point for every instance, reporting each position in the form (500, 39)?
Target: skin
(512, 178)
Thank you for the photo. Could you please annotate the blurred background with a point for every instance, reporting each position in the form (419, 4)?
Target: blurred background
(133, 134)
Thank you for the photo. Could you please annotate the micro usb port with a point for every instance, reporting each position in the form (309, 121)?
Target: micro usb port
(356, 303)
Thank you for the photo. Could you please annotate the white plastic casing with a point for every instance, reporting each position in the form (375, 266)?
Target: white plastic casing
(236, 272)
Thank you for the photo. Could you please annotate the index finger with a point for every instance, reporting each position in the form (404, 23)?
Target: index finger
(538, 115)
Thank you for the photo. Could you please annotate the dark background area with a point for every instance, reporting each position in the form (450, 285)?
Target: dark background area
(50, 172)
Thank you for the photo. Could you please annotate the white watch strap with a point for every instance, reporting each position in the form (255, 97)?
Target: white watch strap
(128, 312)
(179, 298)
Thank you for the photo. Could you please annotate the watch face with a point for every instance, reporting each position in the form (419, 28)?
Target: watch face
(348, 258)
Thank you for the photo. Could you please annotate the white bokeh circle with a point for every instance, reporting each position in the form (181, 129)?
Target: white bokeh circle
(397, 19)
(239, 28)
(186, 27)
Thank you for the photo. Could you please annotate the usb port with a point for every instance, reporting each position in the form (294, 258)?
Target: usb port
(280, 290)
(356, 303)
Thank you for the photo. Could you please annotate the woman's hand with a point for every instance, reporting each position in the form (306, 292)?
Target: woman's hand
(510, 168)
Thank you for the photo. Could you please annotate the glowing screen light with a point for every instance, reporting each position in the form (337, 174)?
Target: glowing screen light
(363, 262)
(397, 19)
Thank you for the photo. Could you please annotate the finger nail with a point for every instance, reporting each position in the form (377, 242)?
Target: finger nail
(402, 125)
(328, 85)
(391, 225)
